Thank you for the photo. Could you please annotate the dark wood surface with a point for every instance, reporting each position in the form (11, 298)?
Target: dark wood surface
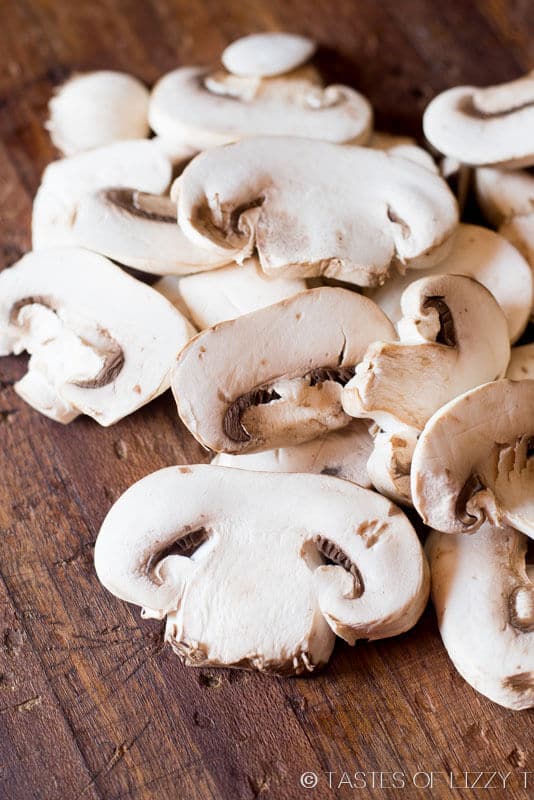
(91, 703)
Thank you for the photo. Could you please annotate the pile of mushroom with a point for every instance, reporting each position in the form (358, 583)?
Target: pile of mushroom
(334, 336)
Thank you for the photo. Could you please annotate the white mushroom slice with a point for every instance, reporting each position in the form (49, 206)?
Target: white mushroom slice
(313, 555)
(503, 194)
(453, 336)
(404, 147)
(519, 231)
(474, 461)
(521, 364)
(488, 258)
(262, 55)
(238, 289)
(484, 601)
(285, 87)
(484, 126)
(179, 153)
(390, 463)
(273, 378)
(101, 343)
(97, 108)
(314, 208)
(139, 165)
(139, 230)
(183, 107)
(343, 454)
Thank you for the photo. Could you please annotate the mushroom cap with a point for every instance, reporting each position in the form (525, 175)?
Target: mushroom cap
(96, 108)
(481, 254)
(182, 106)
(504, 193)
(314, 208)
(453, 337)
(134, 164)
(139, 230)
(262, 55)
(273, 378)
(309, 553)
(101, 342)
(232, 291)
(492, 126)
(343, 454)
(473, 461)
(484, 604)
(521, 364)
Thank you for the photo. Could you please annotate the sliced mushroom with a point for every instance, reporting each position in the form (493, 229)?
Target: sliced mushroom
(504, 193)
(101, 343)
(493, 126)
(184, 106)
(453, 336)
(474, 461)
(139, 230)
(273, 378)
(311, 555)
(481, 254)
(404, 147)
(519, 231)
(343, 454)
(521, 364)
(484, 601)
(227, 293)
(314, 208)
(137, 164)
(96, 108)
(262, 55)
(390, 461)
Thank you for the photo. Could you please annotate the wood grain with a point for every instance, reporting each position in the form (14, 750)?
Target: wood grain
(91, 703)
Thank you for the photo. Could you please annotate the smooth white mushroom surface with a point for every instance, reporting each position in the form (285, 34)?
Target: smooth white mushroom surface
(273, 378)
(184, 106)
(312, 208)
(262, 55)
(519, 231)
(474, 461)
(139, 230)
(101, 343)
(343, 454)
(492, 126)
(260, 570)
(134, 164)
(504, 193)
(480, 254)
(484, 601)
(96, 108)
(521, 364)
(230, 292)
(404, 147)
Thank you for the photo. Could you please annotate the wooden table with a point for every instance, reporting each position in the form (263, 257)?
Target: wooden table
(92, 705)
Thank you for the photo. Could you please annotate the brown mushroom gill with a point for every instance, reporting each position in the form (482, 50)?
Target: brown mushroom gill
(185, 546)
(113, 353)
(472, 485)
(232, 422)
(149, 207)
(447, 333)
(469, 108)
(336, 556)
